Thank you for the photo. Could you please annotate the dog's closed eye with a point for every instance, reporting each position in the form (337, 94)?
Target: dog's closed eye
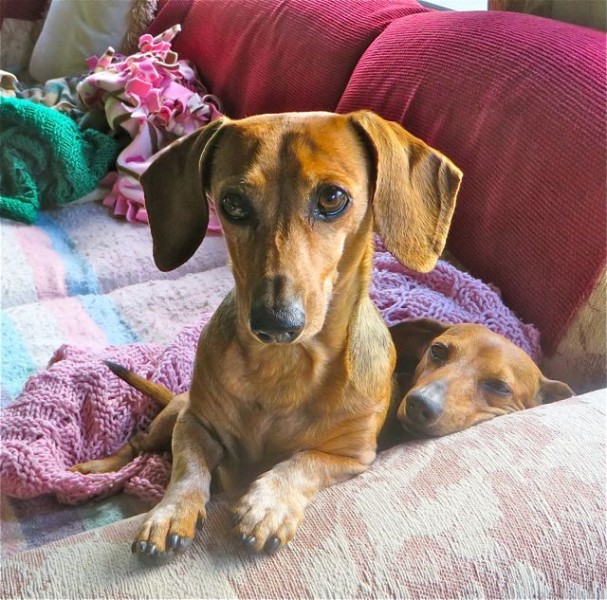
(497, 386)
(438, 353)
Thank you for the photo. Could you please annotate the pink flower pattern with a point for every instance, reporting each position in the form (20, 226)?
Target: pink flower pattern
(156, 99)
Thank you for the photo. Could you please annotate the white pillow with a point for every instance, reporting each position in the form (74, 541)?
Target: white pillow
(73, 31)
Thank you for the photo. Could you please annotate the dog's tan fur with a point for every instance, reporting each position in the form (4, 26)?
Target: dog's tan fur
(287, 419)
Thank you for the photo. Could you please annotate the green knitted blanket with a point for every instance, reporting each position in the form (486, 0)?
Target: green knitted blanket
(45, 160)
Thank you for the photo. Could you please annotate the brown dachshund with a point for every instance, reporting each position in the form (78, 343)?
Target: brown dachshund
(451, 377)
(293, 374)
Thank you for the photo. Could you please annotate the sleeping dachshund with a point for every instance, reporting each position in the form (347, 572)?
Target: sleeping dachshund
(450, 377)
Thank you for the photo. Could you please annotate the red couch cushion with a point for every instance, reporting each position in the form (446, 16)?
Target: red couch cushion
(23, 10)
(278, 55)
(518, 103)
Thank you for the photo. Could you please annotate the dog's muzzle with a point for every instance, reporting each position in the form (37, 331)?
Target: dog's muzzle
(426, 405)
(277, 325)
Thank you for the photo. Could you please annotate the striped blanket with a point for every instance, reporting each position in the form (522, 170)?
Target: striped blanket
(84, 278)
(79, 277)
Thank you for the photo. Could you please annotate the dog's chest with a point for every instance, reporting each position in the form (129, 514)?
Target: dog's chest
(267, 429)
(259, 440)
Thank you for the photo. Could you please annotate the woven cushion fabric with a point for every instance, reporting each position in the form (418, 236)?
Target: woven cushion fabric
(580, 357)
(512, 508)
(518, 103)
(268, 56)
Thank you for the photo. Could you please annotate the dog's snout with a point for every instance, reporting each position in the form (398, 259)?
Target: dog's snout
(277, 315)
(277, 325)
(426, 405)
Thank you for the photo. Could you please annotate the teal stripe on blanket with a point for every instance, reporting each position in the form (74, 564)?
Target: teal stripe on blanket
(20, 366)
(107, 316)
(79, 274)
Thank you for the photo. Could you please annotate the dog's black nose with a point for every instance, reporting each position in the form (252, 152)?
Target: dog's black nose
(426, 405)
(280, 325)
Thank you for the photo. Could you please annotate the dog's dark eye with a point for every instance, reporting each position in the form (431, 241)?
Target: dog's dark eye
(438, 352)
(235, 206)
(497, 386)
(331, 201)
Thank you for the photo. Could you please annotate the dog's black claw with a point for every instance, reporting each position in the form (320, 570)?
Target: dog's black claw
(247, 540)
(199, 523)
(178, 543)
(151, 550)
(174, 541)
(142, 546)
(272, 545)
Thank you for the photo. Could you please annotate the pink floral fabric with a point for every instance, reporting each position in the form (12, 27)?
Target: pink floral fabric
(512, 508)
(156, 99)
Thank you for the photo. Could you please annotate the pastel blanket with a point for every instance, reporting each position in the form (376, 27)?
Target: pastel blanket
(76, 410)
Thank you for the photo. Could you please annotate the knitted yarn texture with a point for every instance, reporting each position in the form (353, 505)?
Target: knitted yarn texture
(77, 410)
(45, 160)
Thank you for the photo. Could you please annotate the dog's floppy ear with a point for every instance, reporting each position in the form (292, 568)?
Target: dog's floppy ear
(552, 390)
(174, 189)
(415, 191)
(411, 339)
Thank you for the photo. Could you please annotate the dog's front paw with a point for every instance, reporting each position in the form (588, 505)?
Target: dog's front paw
(267, 516)
(169, 528)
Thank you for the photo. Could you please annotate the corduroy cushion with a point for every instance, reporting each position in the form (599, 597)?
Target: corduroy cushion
(276, 56)
(518, 103)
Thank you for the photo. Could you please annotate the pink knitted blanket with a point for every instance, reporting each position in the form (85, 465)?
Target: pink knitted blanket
(77, 410)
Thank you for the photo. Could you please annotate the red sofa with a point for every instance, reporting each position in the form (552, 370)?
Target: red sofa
(516, 101)
(514, 507)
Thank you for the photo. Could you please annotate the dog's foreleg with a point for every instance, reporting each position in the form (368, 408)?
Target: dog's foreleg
(268, 515)
(172, 524)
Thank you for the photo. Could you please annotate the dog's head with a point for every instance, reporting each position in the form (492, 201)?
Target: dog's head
(298, 195)
(464, 374)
